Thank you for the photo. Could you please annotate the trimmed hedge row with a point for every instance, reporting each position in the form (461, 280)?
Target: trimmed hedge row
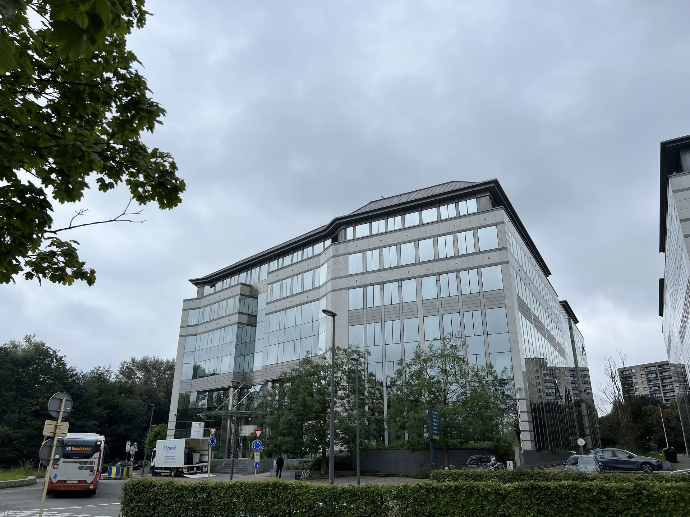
(515, 476)
(144, 497)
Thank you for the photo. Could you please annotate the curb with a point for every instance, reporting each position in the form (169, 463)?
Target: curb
(31, 480)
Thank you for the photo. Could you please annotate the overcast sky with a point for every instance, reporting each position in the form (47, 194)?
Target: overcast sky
(283, 115)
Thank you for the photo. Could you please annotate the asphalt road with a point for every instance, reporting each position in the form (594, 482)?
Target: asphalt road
(26, 501)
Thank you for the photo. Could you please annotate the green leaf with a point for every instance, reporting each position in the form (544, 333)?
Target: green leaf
(7, 61)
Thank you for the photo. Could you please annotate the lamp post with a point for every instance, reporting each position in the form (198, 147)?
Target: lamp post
(146, 447)
(663, 424)
(356, 361)
(331, 459)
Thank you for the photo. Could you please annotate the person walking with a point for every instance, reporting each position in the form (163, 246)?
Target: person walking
(279, 466)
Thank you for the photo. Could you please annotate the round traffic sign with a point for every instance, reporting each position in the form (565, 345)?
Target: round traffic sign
(257, 445)
(212, 441)
(46, 449)
(56, 401)
(580, 442)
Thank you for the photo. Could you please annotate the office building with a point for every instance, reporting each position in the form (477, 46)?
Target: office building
(662, 380)
(399, 272)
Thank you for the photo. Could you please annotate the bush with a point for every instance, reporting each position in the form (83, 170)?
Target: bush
(341, 462)
(637, 497)
(517, 476)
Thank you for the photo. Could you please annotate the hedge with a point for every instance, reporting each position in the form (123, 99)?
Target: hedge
(149, 498)
(514, 476)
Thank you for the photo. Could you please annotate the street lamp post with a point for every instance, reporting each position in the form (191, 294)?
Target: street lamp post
(663, 424)
(331, 459)
(356, 360)
(146, 446)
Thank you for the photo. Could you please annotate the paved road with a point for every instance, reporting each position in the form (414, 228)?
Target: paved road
(25, 502)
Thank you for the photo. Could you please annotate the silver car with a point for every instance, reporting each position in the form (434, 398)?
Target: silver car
(579, 463)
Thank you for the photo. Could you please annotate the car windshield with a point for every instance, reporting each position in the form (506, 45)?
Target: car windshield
(479, 460)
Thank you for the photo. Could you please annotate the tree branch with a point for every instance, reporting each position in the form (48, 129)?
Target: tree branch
(117, 219)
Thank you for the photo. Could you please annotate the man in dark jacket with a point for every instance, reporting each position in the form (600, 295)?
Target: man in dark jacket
(279, 466)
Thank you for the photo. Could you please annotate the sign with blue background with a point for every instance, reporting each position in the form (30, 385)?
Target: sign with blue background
(434, 431)
(212, 441)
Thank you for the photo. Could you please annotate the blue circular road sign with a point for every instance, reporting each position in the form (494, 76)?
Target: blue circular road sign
(256, 465)
(212, 441)
(257, 445)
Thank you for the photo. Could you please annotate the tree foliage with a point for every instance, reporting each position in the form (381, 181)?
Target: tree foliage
(474, 403)
(296, 412)
(115, 404)
(73, 107)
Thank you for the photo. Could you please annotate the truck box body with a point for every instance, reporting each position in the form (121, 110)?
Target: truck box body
(180, 456)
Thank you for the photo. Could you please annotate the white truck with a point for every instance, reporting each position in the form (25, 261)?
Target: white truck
(179, 457)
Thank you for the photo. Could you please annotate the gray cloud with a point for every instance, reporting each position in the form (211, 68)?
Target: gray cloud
(284, 115)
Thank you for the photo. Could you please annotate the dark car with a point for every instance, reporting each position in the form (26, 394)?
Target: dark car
(619, 459)
(481, 462)
(138, 465)
(579, 463)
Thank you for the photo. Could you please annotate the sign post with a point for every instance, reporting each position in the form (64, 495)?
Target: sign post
(433, 432)
(211, 443)
(59, 405)
(580, 442)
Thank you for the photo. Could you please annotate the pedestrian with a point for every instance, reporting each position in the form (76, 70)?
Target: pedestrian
(279, 466)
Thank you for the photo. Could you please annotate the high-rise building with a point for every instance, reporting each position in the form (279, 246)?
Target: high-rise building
(399, 272)
(662, 380)
(674, 235)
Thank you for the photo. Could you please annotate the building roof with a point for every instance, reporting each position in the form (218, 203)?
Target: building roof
(401, 202)
(569, 310)
(385, 202)
(669, 164)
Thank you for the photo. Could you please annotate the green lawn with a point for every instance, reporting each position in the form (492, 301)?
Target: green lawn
(20, 473)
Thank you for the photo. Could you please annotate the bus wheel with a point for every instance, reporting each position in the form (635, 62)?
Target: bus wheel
(92, 493)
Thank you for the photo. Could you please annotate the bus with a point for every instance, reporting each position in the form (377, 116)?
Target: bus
(80, 466)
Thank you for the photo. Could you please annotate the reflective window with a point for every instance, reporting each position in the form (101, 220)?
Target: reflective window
(410, 337)
(378, 227)
(496, 321)
(466, 242)
(287, 260)
(685, 162)
(308, 280)
(395, 223)
(429, 215)
(488, 238)
(448, 211)
(392, 332)
(307, 252)
(362, 230)
(473, 323)
(355, 263)
(296, 256)
(287, 287)
(243, 277)
(263, 273)
(318, 248)
(297, 284)
(323, 273)
(469, 281)
(407, 253)
(431, 329)
(375, 357)
(356, 298)
(445, 246)
(491, 278)
(451, 324)
(372, 260)
(449, 285)
(499, 343)
(409, 291)
(356, 336)
(390, 293)
(349, 233)
(374, 296)
(374, 337)
(426, 250)
(411, 219)
(390, 256)
(429, 290)
(467, 207)
(502, 363)
(275, 291)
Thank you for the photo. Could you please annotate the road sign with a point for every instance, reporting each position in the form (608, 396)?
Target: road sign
(434, 431)
(46, 448)
(580, 442)
(56, 401)
(256, 465)
(128, 446)
(135, 447)
(258, 433)
(257, 456)
(50, 428)
(257, 445)
(197, 430)
(212, 431)
(212, 441)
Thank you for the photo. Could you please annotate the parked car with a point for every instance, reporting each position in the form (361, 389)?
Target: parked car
(580, 463)
(619, 459)
(120, 463)
(481, 462)
(138, 465)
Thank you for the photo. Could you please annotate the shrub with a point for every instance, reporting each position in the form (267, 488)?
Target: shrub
(637, 497)
(341, 462)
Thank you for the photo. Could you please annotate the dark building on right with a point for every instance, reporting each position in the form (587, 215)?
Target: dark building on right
(674, 237)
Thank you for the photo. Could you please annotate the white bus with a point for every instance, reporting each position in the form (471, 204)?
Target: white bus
(80, 466)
